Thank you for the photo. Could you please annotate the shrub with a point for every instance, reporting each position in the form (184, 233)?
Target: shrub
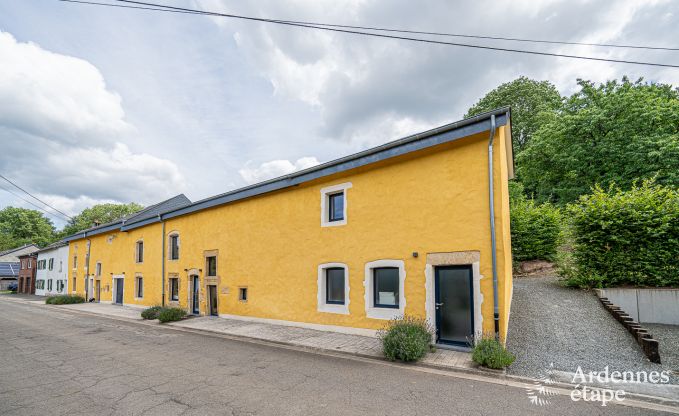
(151, 313)
(406, 339)
(171, 314)
(64, 299)
(535, 228)
(625, 237)
(489, 352)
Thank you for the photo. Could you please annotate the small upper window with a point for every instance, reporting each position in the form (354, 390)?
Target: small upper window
(61, 265)
(97, 269)
(336, 207)
(211, 266)
(51, 264)
(243, 294)
(385, 287)
(139, 252)
(174, 247)
(75, 262)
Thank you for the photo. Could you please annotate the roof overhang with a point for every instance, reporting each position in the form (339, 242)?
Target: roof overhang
(440, 135)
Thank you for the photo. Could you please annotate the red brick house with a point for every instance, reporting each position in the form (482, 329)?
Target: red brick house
(28, 266)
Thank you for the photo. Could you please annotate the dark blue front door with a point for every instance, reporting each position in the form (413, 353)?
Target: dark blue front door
(120, 285)
(454, 305)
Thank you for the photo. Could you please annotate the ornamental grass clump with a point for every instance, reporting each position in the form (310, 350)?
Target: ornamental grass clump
(489, 352)
(64, 299)
(152, 312)
(406, 339)
(171, 314)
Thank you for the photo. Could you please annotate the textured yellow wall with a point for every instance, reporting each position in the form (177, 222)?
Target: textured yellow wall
(434, 200)
(116, 252)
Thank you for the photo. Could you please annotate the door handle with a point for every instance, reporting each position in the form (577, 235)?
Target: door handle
(438, 305)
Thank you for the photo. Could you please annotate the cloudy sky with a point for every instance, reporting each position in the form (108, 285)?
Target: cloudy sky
(101, 104)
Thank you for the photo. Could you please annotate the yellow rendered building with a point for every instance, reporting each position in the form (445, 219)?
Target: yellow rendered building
(401, 229)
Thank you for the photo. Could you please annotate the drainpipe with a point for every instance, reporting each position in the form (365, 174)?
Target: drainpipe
(491, 202)
(162, 267)
(87, 275)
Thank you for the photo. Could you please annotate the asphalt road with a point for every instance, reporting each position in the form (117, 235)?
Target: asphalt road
(56, 362)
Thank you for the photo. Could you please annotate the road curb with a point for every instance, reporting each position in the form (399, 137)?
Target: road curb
(487, 375)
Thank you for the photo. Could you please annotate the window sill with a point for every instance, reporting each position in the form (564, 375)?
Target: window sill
(333, 223)
(383, 313)
(333, 308)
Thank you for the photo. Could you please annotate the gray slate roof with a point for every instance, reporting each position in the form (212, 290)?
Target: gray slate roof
(444, 134)
(150, 212)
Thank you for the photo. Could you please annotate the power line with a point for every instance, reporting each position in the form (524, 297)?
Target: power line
(35, 205)
(417, 32)
(161, 7)
(34, 197)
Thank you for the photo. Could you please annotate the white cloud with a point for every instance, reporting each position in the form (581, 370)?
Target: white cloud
(375, 87)
(274, 168)
(63, 133)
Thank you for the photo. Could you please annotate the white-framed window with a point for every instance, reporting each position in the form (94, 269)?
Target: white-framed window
(174, 246)
(75, 262)
(60, 286)
(51, 264)
(61, 265)
(97, 269)
(139, 287)
(334, 205)
(139, 252)
(49, 285)
(384, 289)
(333, 288)
(174, 289)
(243, 294)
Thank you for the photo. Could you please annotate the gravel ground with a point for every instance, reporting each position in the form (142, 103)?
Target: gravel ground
(668, 336)
(569, 327)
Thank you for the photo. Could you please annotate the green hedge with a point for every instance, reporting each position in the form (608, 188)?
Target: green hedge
(625, 237)
(489, 352)
(152, 312)
(64, 299)
(171, 314)
(535, 228)
(406, 339)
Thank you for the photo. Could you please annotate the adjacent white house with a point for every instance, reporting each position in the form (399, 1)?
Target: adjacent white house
(52, 274)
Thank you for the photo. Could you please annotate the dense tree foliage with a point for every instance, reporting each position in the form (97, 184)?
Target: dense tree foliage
(616, 132)
(101, 213)
(19, 226)
(528, 99)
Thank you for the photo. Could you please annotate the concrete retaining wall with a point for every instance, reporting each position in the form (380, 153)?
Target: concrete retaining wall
(658, 306)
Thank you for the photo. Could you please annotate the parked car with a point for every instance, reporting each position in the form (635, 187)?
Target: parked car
(13, 287)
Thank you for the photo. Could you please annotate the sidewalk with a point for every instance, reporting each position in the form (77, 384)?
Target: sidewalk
(304, 338)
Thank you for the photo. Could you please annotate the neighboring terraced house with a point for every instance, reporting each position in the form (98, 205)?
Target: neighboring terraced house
(417, 226)
(52, 274)
(27, 271)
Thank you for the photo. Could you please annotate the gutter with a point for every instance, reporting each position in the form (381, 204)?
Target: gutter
(491, 203)
(162, 267)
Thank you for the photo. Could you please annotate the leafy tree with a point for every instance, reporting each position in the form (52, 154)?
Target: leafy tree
(19, 226)
(101, 213)
(616, 132)
(528, 99)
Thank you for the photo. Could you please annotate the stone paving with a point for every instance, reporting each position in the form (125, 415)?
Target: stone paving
(306, 338)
